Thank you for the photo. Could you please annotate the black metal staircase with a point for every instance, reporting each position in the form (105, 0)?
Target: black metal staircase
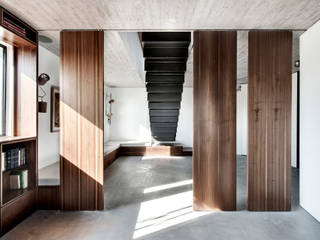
(166, 55)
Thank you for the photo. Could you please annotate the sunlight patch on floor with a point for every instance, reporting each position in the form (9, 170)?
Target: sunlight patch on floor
(165, 212)
(168, 186)
(161, 157)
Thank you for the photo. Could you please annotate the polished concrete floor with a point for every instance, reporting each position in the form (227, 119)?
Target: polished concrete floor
(151, 198)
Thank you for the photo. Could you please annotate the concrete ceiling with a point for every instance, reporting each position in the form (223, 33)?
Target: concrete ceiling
(121, 67)
(166, 14)
(52, 16)
(242, 58)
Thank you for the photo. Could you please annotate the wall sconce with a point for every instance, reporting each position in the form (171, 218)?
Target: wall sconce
(42, 80)
(109, 114)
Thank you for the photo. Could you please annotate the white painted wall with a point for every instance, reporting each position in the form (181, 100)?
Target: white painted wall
(294, 121)
(242, 120)
(310, 120)
(48, 141)
(185, 123)
(130, 120)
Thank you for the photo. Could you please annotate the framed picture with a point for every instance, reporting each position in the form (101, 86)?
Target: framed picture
(55, 113)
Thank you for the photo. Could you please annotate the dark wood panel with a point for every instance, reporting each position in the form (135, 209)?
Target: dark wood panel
(49, 197)
(269, 120)
(110, 157)
(81, 109)
(16, 211)
(214, 141)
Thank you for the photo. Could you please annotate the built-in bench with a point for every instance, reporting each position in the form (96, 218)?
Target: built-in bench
(114, 149)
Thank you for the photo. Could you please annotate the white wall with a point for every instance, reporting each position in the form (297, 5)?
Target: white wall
(185, 123)
(242, 120)
(294, 121)
(48, 141)
(106, 110)
(130, 120)
(310, 120)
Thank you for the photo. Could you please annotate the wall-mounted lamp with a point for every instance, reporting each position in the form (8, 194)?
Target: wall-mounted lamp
(42, 80)
(109, 114)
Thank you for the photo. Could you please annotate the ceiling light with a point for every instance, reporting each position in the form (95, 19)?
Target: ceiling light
(45, 39)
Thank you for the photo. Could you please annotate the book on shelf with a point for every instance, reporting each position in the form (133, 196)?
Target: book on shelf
(19, 180)
(14, 27)
(13, 158)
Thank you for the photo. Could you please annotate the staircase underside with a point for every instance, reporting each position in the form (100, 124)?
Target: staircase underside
(166, 55)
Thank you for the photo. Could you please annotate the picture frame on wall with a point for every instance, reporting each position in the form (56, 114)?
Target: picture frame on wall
(55, 113)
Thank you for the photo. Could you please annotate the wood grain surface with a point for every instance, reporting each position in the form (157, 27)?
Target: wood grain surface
(269, 121)
(214, 143)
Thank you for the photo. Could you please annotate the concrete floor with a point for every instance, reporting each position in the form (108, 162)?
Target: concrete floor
(151, 198)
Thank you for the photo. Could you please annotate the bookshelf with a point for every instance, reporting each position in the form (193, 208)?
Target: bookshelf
(8, 193)
(17, 200)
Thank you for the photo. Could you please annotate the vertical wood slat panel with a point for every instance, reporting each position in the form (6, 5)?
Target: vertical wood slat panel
(214, 144)
(81, 111)
(269, 121)
(26, 103)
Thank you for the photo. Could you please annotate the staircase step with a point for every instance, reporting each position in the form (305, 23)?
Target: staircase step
(165, 138)
(163, 113)
(168, 44)
(165, 66)
(161, 125)
(164, 78)
(163, 119)
(164, 105)
(164, 88)
(166, 36)
(164, 130)
(164, 97)
(165, 53)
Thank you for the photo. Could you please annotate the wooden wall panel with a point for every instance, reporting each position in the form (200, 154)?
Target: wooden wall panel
(269, 120)
(81, 110)
(49, 197)
(214, 140)
(26, 100)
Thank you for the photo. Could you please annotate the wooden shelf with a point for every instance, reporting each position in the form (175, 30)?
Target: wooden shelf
(8, 171)
(13, 195)
(15, 139)
(29, 143)
(31, 35)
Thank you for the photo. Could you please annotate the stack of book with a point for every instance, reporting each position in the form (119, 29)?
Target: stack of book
(13, 158)
(14, 27)
(19, 180)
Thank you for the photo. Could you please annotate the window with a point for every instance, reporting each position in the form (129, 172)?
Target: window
(3, 81)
